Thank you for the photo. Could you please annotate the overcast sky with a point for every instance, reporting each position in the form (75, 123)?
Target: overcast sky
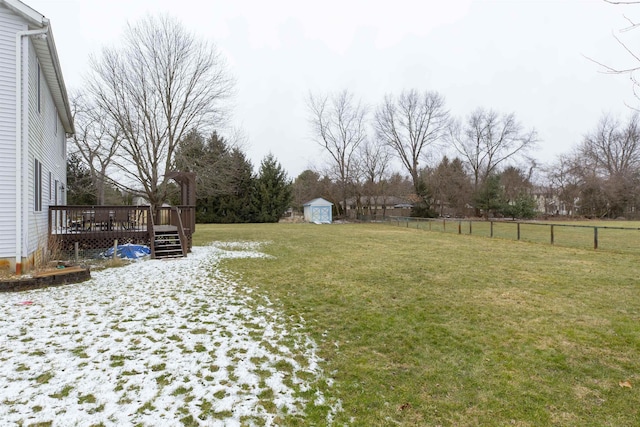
(526, 57)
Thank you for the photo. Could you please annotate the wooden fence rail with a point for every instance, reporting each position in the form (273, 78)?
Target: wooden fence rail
(610, 238)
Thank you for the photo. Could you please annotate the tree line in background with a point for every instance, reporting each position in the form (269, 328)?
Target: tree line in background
(227, 190)
(155, 104)
(481, 165)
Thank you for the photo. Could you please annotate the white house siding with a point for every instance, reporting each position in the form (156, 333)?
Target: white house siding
(10, 24)
(47, 145)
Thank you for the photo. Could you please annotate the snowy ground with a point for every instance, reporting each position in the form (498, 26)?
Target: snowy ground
(153, 343)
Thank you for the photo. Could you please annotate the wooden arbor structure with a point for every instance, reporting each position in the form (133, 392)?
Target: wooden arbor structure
(167, 231)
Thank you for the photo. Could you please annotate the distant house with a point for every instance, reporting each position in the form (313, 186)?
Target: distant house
(380, 206)
(35, 119)
(318, 211)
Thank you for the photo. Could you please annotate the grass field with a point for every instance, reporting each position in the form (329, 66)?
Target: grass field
(424, 328)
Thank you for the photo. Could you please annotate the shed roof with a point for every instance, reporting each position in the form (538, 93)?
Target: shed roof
(318, 202)
(47, 54)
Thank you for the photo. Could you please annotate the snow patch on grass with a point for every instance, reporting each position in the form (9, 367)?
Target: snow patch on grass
(154, 343)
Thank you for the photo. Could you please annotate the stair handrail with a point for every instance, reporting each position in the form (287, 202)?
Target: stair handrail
(181, 233)
(152, 233)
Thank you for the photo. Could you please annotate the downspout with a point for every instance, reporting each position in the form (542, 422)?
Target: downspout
(21, 91)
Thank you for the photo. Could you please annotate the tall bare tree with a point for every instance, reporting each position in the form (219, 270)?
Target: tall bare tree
(612, 154)
(410, 124)
(489, 139)
(613, 148)
(338, 123)
(370, 170)
(567, 177)
(374, 164)
(158, 85)
(96, 140)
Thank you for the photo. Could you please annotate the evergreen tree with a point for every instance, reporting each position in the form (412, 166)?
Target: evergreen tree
(490, 197)
(80, 188)
(452, 187)
(227, 191)
(223, 176)
(307, 186)
(234, 204)
(516, 190)
(272, 191)
(523, 206)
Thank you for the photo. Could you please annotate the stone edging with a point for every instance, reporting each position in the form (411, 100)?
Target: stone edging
(47, 279)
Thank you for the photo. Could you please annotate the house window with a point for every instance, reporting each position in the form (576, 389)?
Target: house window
(37, 186)
(56, 187)
(38, 84)
(50, 189)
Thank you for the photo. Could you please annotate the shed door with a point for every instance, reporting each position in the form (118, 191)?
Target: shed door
(321, 214)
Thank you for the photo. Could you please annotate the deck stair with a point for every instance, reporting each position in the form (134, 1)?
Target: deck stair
(167, 243)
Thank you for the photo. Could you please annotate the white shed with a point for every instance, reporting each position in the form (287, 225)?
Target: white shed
(318, 211)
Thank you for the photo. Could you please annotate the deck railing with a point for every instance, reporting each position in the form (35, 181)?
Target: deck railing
(83, 219)
(97, 227)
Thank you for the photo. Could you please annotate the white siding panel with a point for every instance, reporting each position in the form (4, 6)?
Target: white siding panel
(44, 142)
(46, 145)
(10, 24)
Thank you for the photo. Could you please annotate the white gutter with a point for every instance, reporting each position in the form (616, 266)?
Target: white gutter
(21, 93)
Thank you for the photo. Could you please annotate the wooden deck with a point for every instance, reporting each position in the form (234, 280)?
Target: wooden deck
(97, 227)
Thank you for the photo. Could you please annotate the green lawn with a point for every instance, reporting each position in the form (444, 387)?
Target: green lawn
(426, 328)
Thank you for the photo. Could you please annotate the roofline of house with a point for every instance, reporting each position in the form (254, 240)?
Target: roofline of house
(37, 20)
(28, 13)
(51, 45)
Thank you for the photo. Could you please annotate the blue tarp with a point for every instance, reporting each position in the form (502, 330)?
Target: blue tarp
(129, 251)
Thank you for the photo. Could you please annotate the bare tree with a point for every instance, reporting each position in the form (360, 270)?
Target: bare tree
(160, 84)
(375, 160)
(487, 140)
(338, 123)
(613, 148)
(96, 140)
(612, 155)
(410, 124)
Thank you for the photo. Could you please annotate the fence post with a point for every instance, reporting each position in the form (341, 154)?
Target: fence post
(552, 237)
(491, 232)
(76, 248)
(444, 225)
(460, 227)
(470, 222)
(429, 224)
(595, 237)
(518, 231)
